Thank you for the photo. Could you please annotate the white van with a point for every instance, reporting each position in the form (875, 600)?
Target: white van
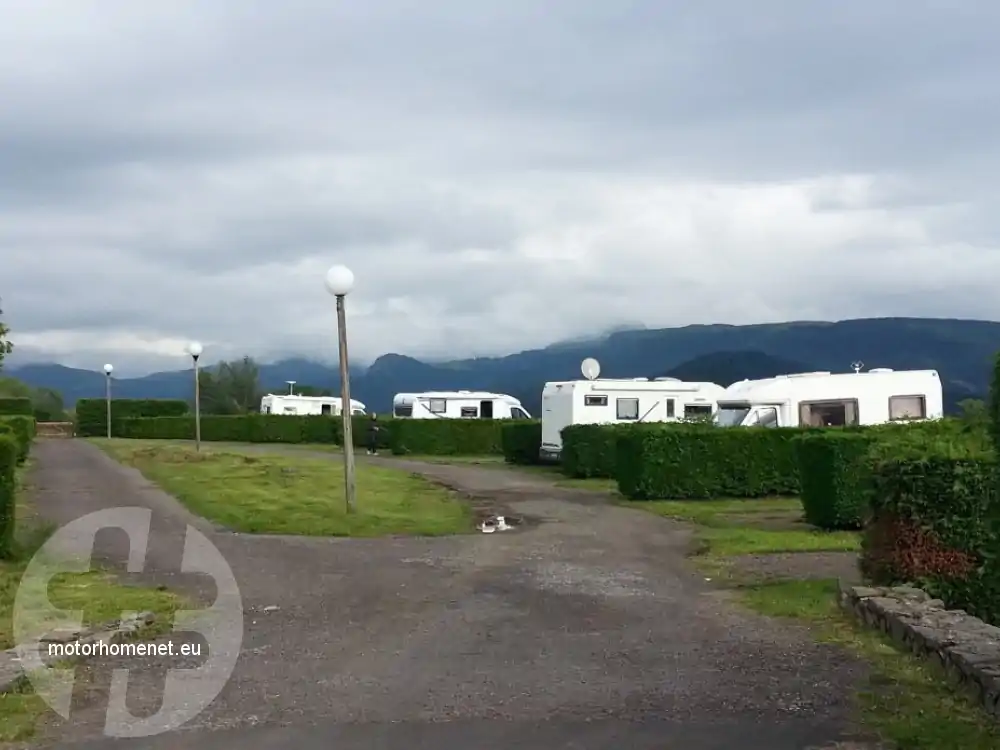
(305, 405)
(457, 405)
(824, 399)
(610, 401)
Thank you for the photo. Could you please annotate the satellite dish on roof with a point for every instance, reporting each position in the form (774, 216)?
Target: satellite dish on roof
(590, 368)
(857, 365)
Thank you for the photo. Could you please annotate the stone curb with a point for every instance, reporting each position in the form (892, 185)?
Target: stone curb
(12, 675)
(964, 647)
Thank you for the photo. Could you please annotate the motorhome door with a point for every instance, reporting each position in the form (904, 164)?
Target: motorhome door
(486, 410)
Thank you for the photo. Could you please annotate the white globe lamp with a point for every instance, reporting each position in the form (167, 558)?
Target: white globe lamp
(339, 281)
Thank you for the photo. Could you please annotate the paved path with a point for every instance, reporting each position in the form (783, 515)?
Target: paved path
(586, 631)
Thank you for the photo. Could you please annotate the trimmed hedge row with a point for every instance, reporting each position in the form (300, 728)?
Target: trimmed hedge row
(521, 442)
(10, 451)
(935, 521)
(589, 451)
(447, 437)
(835, 480)
(22, 430)
(92, 420)
(20, 406)
(684, 461)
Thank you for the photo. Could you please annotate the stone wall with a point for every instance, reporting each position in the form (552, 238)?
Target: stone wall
(965, 647)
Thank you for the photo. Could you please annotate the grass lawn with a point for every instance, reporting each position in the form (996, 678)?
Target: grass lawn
(96, 593)
(907, 700)
(744, 527)
(283, 493)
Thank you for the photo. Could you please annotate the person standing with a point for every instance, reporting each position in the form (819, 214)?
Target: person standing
(373, 434)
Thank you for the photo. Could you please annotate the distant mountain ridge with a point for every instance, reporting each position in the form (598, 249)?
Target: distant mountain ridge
(961, 350)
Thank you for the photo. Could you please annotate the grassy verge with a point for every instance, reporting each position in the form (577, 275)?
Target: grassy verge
(282, 493)
(95, 593)
(907, 700)
(746, 527)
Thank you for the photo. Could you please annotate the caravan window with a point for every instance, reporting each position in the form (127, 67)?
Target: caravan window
(595, 400)
(628, 408)
(671, 411)
(767, 417)
(402, 410)
(697, 411)
(828, 413)
(907, 407)
(437, 406)
(516, 413)
(469, 412)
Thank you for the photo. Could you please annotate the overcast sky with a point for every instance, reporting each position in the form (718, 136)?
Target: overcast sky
(499, 174)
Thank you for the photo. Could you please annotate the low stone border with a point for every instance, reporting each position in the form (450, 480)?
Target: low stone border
(12, 676)
(965, 647)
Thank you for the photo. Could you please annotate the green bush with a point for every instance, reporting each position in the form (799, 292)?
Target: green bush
(16, 407)
(935, 522)
(91, 413)
(678, 462)
(243, 428)
(447, 437)
(833, 468)
(589, 450)
(521, 442)
(9, 451)
(23, 430)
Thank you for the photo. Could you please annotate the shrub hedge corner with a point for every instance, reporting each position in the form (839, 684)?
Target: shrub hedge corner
(20, 406)
(589, 451)
(935, 521)
(447, 437)
(835, 483)
(522, 442)
(9, 453)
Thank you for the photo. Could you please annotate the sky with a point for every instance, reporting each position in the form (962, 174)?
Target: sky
(498, 175)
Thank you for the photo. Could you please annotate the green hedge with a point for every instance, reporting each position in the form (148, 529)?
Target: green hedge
(253, 428)
(521, 442)
(16, 407)
(684, 461)
(936, 522)
(91, 413)
(447, 437)
(23, 430)
(589, 450)
(833, 467)
(9, 452)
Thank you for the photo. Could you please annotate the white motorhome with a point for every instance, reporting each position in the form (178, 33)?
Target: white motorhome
(306, 405)
(828, 399)
(609, 401)
(457, 405)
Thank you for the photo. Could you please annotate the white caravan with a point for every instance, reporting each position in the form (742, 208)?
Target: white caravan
(292, 405)
(457, 405)
(824, 399)
(610, 401)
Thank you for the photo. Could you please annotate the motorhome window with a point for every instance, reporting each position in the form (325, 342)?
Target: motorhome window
(907, 407)
(326, 409)
(595, 400)
(671, 409)
(516, 413)
(731, 416)
(697, 411)
(767, 417)
(828, 413)
(360, 412)
(403, 410)
(469, 412)
(628, 408)
(437, 406)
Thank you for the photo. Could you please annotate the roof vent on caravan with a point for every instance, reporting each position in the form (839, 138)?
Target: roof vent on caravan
(672, 380)
(808, 374)
(881, 369)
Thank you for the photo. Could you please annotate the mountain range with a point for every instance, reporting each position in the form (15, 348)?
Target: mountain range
(961, 350)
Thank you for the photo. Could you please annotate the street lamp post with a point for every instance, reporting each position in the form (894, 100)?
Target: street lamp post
(108, 369)
(340, 282)
(194, 349)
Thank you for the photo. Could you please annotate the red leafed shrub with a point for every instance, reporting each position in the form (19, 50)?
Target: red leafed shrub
(898, 549)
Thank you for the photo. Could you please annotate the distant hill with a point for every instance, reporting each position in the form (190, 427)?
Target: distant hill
(961, 350)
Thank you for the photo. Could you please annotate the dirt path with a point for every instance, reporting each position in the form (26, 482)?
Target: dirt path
(586, 630)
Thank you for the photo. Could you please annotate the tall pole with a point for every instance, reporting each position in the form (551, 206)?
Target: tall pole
(107, 399)
(345, 408)
(197, 405)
